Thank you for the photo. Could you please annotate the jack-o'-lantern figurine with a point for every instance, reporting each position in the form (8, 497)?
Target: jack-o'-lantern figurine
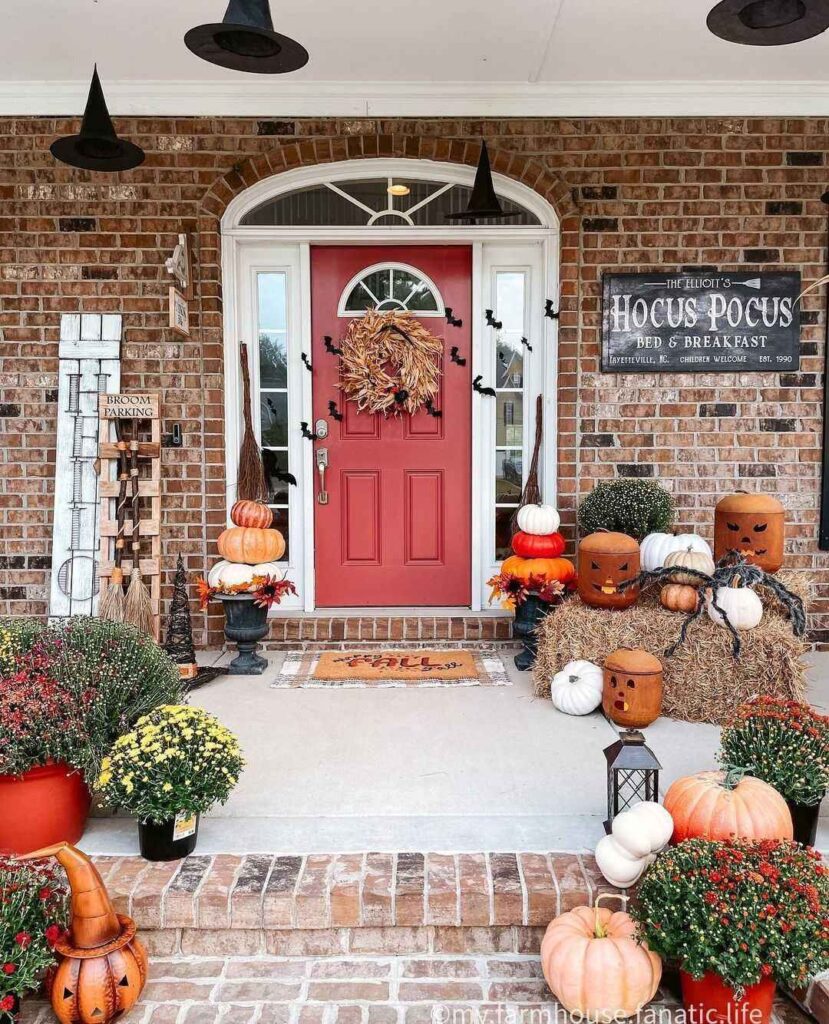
(102, 967)
(632, 690)
(606, 560)
(752, 524)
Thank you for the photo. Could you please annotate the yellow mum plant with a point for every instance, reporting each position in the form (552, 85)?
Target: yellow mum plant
(176, 759)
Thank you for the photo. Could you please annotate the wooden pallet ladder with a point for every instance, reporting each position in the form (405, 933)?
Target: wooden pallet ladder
(138, 409)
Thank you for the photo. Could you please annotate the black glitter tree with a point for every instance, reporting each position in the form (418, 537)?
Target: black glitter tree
(179, 640)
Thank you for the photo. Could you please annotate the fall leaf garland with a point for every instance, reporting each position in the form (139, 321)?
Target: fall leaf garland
(390, 363)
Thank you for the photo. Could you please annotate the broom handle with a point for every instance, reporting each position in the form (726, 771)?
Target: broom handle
(136, 507)
(121, 507)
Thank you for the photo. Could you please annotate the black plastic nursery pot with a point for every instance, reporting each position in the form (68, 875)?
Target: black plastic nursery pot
(804, 819)
(170, 840)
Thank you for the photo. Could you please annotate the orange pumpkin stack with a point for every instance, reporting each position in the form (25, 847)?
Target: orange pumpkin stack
(538, 546)
(250, 541)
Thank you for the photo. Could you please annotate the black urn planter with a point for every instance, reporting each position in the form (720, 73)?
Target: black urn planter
(804, 819)
(159, 842)
(528, 615)
(245, 624)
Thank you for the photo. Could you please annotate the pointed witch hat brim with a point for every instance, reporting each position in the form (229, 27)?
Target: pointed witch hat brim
(768, 22)
(97, 147)
(484, 203)
(245, 41)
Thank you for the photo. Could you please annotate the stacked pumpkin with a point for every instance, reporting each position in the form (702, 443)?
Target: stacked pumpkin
(538, 546)
(250, 549)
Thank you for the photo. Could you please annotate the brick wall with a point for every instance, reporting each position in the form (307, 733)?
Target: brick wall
(632, 193)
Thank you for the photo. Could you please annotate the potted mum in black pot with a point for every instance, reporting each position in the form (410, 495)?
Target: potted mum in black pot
(172, 767)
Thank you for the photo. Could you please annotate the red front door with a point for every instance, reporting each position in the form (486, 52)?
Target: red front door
(396, 529)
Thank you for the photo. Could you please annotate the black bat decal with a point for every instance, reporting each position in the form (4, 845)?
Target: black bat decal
(491, 321)
(331, 347)
(431, 409)
(273, 470)
(306, 433)
(401, 396)
(453, 321)
(476, 386)
(549, 312)
(334, 411)
(455, 356)
(286, 478)
(526, 344)
(307, 362)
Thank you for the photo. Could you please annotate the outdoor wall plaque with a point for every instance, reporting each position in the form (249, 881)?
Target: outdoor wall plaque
(700, 322)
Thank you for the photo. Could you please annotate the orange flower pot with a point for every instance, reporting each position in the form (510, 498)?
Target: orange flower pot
(709, 1000)
(45, 805)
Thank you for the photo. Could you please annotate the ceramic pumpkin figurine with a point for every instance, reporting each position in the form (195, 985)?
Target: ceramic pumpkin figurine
(251, 545)
(632, 693)
(727, 805)
(754, 525)
(251, 513)
(102, 967)
(594, 964)
(607, 560)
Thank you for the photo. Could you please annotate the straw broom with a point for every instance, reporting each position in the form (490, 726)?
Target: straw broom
(531, 494)
(138, 608)
(250, 480)
(111, 606)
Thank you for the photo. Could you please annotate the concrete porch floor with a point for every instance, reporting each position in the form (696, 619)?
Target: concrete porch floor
(454, 769)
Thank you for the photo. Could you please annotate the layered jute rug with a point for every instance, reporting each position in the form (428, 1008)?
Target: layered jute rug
(391, 668)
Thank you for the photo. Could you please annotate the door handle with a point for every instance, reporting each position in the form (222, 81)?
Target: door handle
(322, 465)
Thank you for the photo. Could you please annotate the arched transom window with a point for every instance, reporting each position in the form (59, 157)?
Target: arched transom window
(386, 286)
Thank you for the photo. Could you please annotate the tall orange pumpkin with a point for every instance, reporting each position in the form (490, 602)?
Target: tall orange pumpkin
(561, 569)
(595, 966)
(102, 967)
(727, 805)
(251, 513)
(754, 525)
(251, 545)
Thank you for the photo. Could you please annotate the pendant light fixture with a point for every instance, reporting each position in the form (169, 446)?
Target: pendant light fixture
(483, 204)
(769, 22)
(245, 41)
(96, 147)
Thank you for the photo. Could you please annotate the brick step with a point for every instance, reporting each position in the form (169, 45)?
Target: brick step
(370, 903)
(293, 631)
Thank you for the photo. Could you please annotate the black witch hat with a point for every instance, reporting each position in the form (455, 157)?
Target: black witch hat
(768, 22)
(97, 147)
(245, 41)
(483, 204)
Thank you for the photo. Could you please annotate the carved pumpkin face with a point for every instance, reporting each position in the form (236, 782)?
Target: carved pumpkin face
(606, 560)
(754, 525)
(632, 690)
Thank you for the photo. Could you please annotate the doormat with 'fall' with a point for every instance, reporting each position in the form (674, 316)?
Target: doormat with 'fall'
(392, 668)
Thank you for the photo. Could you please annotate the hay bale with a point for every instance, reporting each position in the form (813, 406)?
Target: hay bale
(703, 682)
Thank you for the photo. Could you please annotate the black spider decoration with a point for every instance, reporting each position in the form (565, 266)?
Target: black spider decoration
(732, 568)
(334, 411)
(306, 433)
(453, 321)
(491, 321)
(526, 344)
(307, 362)
(476, 386)
(331, 347)
(549, 312)
(427, 405)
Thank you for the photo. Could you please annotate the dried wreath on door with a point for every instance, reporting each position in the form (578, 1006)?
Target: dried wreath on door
(390, 363)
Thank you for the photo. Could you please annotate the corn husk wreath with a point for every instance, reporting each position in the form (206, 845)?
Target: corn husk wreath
(389, 363)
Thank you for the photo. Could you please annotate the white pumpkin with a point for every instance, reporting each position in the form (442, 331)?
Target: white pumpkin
(538, 519)
(656, 547)
(577, 689)
(742, 606)
(687, 558)
(617, 865)
(637, 835)
(230, 574)
(269, 569)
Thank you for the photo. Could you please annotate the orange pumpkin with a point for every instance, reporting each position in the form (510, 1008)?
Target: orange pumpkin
(534, 545)
(754, 525)
(252, 514)
(595, 966)
(727, 805)
(561, 569)
(678, 597)
(607, 560)
(251, 545)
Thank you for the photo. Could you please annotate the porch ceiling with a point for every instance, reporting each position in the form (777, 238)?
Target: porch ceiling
(386, 57)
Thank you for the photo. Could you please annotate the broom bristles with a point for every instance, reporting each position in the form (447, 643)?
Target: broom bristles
(250, 478)
(111, 606)
(138, 607)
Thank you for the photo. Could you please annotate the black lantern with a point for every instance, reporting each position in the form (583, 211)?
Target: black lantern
(484, 203)
(768, 22)
(245, 40)
(632, 774)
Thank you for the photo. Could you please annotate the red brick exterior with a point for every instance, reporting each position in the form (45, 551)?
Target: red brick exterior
(631, 193)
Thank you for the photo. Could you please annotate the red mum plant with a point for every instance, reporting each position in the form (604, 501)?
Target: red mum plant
(742, 910)
(513, 590)
(33, 916)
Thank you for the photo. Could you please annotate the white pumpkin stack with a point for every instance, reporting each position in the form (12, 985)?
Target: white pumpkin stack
(636, 836)
(577, 689)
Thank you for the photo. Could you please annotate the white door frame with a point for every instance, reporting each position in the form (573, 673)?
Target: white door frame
(243, 252)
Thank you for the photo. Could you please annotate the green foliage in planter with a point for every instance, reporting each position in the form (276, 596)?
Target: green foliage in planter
(33, 916)
(743, 910)
(634, 507)
(176, 759)
(784, 743)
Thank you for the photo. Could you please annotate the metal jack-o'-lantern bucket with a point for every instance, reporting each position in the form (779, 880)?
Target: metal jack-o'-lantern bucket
(606, 561)
(632, 691)
(102, 967)
(754, 526)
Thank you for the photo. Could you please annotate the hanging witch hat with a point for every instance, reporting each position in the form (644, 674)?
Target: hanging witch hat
(245, 41)
(483, 204)
(97, 147)
(768, 22)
